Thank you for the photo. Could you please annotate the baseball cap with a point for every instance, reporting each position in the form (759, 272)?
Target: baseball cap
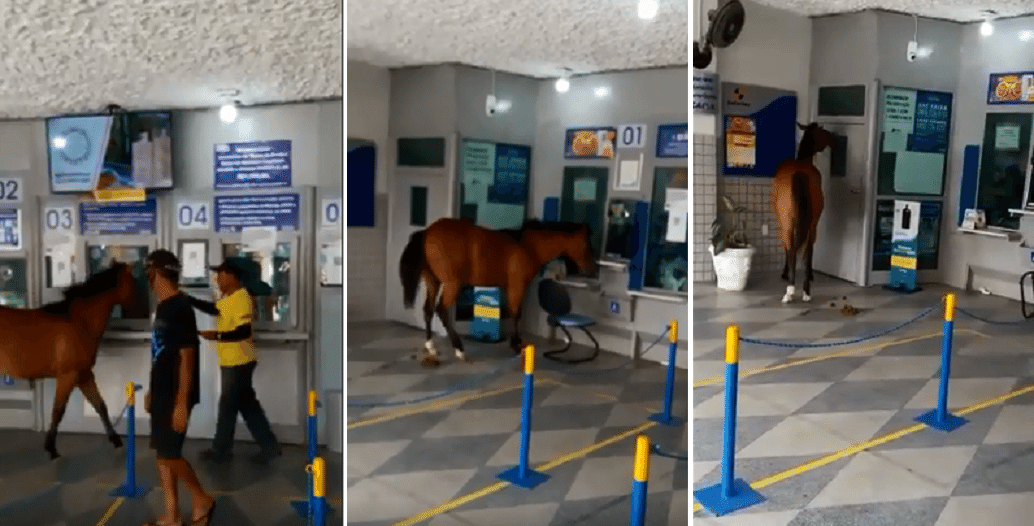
(239, 267)
(163, 259)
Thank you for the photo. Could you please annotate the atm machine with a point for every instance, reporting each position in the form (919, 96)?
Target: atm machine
(19, 405)
(82, 238)
(273, 228)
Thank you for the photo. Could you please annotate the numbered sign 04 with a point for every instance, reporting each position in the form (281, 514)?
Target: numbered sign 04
(193, 215)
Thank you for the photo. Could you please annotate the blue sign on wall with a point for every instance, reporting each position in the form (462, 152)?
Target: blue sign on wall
(931, 123)
(10, 228)
(673, 140)
(119, 219)
(512, 163)
(256, 164)
(8, 380)
(235, 212)
(759, 130)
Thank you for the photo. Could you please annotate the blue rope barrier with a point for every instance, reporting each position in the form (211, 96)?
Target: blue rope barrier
(662, 453)
(454, 389)
(985, 320)
(883, 332)
(628, 361)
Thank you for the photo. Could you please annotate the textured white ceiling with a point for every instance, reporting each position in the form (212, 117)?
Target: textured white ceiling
(537, 39)
(81, 55)
(957, 10)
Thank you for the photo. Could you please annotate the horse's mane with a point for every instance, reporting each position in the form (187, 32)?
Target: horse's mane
(98, 283)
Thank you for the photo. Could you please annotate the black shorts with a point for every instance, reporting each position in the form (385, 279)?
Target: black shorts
(166, 441)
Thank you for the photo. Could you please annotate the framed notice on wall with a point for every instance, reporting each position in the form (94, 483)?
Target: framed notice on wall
(1011, 88)
(590, 143)
(759, 128)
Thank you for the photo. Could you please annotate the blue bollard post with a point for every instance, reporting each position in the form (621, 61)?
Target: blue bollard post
(665, 417)
(129, 489)
(522, 475)
(319, 507)
(303, 507)
(640, 476)
(939, 418)
(730, 494)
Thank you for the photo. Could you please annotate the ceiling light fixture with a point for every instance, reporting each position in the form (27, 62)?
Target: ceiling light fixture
(562, 83)
(602, 92)
(228, 112)
(1026, 35)
(648, 9)
(986, 29)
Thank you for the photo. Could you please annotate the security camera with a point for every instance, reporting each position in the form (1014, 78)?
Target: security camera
(913, 51)
(490, 105)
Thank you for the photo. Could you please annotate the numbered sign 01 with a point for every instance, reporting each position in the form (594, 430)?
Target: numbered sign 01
(632, 136)
(193, 215)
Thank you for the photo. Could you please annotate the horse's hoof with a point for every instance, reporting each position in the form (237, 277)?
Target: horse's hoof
(430, 361)
(805, 298)
(787, 299)
(115, 441)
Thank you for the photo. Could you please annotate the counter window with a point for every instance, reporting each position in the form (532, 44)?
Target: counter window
(276, 272)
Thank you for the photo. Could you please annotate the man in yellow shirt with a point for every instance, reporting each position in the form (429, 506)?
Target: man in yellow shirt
(237, 362)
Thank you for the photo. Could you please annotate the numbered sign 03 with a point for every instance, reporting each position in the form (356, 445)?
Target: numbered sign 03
(58, 219)
(193, 215)
(10, 190)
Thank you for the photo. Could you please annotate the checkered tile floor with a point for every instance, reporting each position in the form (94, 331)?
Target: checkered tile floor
(406, 460)
(73, 490)
(795, 415)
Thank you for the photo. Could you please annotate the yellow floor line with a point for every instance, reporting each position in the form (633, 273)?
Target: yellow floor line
(851, 450)
(718, 379)
(488, 490)
(433, 406)
(111, 511)
(607, 397)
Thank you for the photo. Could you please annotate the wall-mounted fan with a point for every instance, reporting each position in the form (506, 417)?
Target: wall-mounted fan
(725, 24)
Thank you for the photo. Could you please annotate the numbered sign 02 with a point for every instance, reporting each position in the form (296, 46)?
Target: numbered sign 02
(10, 190)
(631, 136)
(193, 215)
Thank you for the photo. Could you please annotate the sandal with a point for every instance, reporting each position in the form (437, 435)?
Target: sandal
(205, 519)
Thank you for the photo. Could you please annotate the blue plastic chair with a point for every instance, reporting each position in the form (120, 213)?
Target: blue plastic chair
(554, 299)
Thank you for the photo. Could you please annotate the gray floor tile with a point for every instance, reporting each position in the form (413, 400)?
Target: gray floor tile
(864, 396)
(922, 512)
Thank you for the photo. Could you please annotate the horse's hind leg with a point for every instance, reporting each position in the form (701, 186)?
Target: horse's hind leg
(88, 385)
(65, 383)
(809, 276)
(450, 293)
(791, 277)
(514, 300)
(432, 285)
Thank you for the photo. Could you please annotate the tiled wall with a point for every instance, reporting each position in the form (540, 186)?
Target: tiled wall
(705, 194)
(754, 193)
(367, 266)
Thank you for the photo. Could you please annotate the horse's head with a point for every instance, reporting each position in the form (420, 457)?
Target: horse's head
(816, 138)
(569, 240)
(126, 293)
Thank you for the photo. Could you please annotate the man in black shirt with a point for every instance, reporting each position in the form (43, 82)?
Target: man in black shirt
(174, 389)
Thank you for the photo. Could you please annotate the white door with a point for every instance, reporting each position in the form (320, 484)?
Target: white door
(840, 246)
(413, 189)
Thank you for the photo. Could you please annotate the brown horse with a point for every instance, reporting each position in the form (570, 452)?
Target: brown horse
(452, 254)
(798, 202)
(60, 341)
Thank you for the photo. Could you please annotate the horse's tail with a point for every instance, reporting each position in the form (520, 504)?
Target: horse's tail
(411, 266)
(801, 197)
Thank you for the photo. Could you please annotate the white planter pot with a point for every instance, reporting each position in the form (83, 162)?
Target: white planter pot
(732, 267)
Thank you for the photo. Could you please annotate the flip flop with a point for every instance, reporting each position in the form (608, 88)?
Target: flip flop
(205, 519)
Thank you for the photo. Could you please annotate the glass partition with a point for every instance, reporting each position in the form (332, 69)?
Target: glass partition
(667, 266)
(620, 225)
(275, 270)
(13, 285)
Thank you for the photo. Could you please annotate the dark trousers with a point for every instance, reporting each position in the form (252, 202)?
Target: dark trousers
(238, 396)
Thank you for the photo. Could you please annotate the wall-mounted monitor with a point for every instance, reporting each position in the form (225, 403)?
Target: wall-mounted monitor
(120, 150)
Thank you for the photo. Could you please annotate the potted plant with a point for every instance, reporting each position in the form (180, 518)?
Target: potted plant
(730, 249)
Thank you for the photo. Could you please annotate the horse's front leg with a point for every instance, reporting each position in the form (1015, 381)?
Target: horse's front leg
(514, 299)
(65, 383)
(88, 386)
(450, 293)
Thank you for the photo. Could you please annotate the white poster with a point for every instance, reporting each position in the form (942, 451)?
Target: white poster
(629, 174)
(676, 201)
(194, 258)
(331, 264)
(906, 220)
(260, 239)
(61, 265)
